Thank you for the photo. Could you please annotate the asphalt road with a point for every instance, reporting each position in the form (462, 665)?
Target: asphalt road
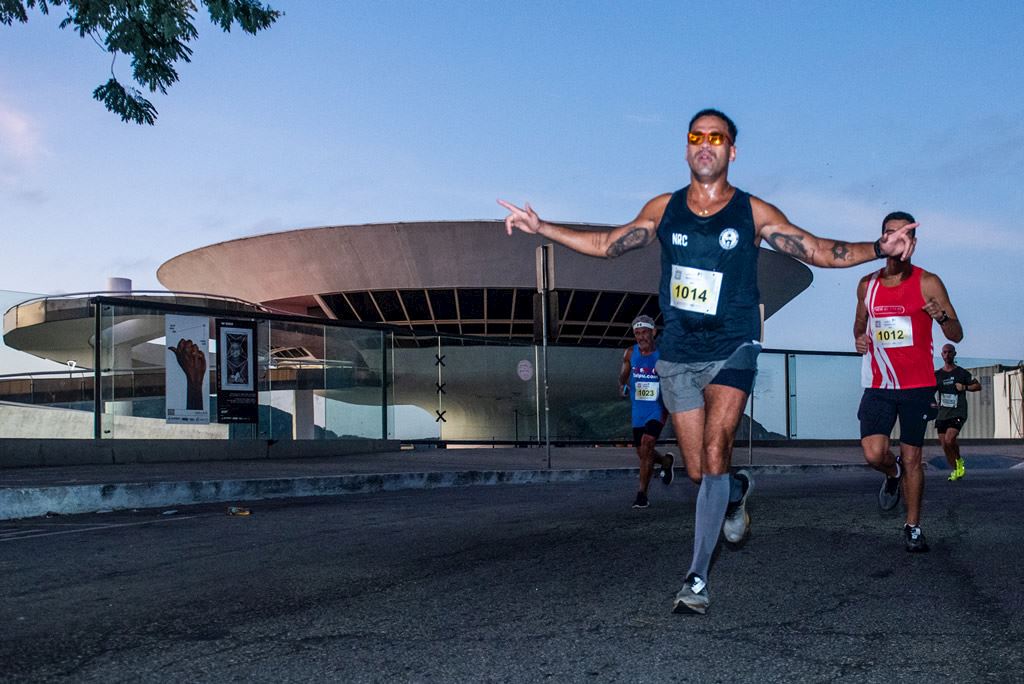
(529, 583)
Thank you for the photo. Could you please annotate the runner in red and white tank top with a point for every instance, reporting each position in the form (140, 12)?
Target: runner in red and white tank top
(897, 308)
(899, 333)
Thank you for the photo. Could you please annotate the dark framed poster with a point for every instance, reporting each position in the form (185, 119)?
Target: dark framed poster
(237, 399)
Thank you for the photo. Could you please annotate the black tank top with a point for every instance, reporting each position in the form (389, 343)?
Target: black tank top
(708, 293)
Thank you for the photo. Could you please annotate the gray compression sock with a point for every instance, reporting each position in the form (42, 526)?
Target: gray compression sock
(712, 500)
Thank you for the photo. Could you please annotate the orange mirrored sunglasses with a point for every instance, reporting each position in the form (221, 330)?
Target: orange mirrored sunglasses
(714, 138)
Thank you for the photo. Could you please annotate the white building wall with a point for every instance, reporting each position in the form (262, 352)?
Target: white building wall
(1008, 398)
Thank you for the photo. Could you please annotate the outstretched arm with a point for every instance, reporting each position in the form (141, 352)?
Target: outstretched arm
(639, 232)
(773, 226)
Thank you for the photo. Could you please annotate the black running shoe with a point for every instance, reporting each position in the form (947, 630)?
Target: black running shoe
(889, 494)
(915, 539)
(666, 470)
(640, 501)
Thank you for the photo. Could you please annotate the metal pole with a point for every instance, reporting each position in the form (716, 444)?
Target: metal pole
(547, 408)
(383, 385)
(536, 392)
(97, 399)
(750, 431)
(789, 400)
(544, 288)
(391, 381)
(440, 423)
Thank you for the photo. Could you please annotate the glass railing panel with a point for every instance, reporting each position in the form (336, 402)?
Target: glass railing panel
(487, 391)
(298, 375)
(767, 407)
(414, 403)
(352, 400)
(462, 389)
(827, 390)
(583, 392)
(265, 365)
(158, 372)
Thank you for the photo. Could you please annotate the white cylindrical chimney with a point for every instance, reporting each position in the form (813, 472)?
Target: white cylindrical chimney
(119, 284)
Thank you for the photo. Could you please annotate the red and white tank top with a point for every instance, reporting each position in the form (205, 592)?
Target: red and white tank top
(900, 347)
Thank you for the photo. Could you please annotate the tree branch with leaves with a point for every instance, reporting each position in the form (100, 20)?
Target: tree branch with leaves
(154, 33)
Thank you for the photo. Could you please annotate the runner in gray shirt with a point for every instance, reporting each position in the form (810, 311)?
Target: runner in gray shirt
(952, 384)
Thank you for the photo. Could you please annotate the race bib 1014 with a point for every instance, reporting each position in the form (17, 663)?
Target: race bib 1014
(695, 290)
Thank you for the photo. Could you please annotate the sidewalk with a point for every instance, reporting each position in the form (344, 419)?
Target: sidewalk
(30, 492)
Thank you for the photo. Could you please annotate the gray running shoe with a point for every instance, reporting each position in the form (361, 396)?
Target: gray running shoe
(693, 597)
(889, 494)
(737, 520)
(915, 539)
(666, 471)
(640, 501)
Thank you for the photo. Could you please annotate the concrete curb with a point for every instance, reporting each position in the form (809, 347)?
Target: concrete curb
(30, 502)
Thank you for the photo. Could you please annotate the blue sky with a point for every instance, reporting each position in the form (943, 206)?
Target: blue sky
(349, 112)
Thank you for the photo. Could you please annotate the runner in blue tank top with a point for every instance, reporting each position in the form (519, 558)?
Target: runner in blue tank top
(709, 233)
(638, 381)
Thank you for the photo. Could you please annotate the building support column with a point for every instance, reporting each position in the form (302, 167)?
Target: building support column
(302, 417)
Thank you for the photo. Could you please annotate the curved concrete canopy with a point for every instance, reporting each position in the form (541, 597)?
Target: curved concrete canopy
(294, 266)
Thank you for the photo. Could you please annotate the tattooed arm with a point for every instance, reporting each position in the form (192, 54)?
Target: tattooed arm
(773, 226)
(639, 232)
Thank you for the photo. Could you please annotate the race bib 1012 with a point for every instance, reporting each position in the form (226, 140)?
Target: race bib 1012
(893, 331)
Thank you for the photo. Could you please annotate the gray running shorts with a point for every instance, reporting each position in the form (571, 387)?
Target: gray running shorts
(682, 384)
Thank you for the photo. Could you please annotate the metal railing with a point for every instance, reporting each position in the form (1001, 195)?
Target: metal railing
(373, 380)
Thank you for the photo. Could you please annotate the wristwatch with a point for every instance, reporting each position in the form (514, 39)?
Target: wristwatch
(943, 318)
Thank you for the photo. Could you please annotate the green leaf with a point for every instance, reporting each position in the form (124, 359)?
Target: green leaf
(154, 33)
(129, 104)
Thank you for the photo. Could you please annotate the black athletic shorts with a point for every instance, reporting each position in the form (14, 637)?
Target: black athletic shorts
(652, 427)
(955, 423)
(879, 409)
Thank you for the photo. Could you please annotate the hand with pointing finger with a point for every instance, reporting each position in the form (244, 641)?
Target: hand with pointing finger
(899, 243)
(525, 220)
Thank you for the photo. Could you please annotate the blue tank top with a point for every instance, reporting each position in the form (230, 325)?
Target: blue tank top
(644, 387)
(708, 293)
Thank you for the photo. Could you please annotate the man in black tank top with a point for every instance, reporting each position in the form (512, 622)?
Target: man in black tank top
(709, 233)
